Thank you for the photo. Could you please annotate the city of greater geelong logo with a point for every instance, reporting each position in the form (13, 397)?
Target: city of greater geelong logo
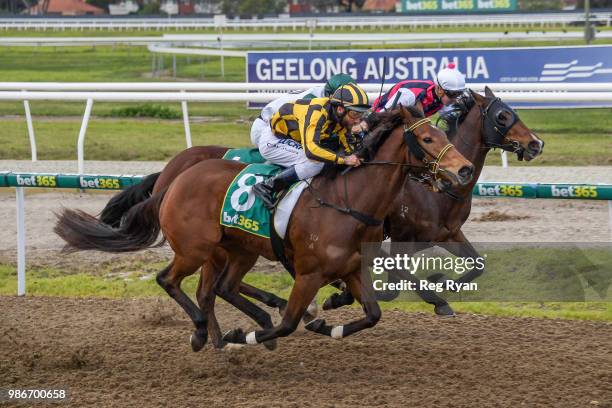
(563, 71)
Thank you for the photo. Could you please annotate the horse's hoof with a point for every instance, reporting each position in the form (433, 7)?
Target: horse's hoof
(315, 325)
(198, 340)
(337, 300)
(270, 344)
(217, 342)
(219, 345)
(236, 336)
(444, 310)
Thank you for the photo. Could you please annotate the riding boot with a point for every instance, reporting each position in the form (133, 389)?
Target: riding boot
(268, 188)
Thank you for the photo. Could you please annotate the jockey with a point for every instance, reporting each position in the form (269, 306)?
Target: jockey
(263, 121)
(305, 134)
(429, 96)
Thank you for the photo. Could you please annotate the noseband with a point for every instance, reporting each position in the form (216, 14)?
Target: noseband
(417, 150)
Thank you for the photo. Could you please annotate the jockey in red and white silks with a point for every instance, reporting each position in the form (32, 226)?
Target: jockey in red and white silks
(428, 95)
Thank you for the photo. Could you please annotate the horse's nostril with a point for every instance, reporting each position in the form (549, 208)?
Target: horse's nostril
(466, 172)
(535, 146)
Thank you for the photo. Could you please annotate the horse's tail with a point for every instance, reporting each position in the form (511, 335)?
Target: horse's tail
(119, 205)
(139, 229)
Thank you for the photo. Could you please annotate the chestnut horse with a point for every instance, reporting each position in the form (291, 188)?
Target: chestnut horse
(323, 244)
(417, 216)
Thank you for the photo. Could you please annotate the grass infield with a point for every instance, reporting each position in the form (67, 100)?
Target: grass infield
(138, 280)
(573, 137)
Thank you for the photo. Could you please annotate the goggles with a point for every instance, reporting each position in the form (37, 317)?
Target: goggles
(453, 94)
(354, 114)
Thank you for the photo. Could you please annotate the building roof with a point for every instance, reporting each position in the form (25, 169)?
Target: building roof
(379, 5)
(66, 8)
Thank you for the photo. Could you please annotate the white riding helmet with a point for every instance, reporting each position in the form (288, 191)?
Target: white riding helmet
(450, 78)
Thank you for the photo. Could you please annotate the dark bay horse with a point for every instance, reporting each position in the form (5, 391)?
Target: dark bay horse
(436, 219)
(486, 122)
(323, 244)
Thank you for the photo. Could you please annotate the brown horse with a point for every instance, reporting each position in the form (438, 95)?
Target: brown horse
(427, 219)
(417, 216)
(323, 244)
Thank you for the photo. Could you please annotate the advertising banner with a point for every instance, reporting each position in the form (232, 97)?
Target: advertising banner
(480, 65)
(459, 6)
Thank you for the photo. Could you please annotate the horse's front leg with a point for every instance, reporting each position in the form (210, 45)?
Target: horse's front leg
(360, 286)
(304, 290)
(465, 249)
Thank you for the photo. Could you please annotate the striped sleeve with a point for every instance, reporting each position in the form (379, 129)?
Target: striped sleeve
(311, 135)
(347, 147)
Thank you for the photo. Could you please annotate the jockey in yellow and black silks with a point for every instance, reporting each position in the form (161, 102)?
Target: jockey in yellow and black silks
(324, 90)
(306, 134)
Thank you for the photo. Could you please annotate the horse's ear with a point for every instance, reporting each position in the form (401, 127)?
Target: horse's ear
(478, 98)
(489, 92)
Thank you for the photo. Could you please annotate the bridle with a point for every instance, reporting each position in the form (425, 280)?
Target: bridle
(413, 146)
(419, 152)
(494, 128)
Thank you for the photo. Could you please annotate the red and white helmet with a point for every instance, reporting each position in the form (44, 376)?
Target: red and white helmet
(450, 78)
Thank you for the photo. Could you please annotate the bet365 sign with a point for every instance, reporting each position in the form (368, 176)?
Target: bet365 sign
(431, 6)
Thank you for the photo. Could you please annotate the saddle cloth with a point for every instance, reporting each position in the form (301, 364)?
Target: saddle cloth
(242, 209)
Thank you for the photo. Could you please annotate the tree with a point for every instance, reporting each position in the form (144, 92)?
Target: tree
(595, 4)
(323, 6)
(103, 4)
(150, 8)
(350, 3)
(252, 7)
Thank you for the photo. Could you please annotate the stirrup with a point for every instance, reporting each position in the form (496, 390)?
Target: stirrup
(266, 189)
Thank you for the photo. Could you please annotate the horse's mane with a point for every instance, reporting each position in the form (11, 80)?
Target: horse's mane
(456, 114)
(382, 126)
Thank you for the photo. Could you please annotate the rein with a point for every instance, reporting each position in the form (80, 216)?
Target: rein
(419, 152)
(358, 215)
(415, 148)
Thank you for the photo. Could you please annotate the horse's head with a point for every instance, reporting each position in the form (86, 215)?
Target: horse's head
(424, 149)
(502, 127)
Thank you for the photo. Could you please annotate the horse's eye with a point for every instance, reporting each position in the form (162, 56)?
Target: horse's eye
(502, 117)
(428, 140)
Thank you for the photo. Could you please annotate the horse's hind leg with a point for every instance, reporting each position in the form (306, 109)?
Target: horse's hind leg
(267, 298)
(206, 299)
(228, 289)
(271, 300)
(170, 279)
(304, 290)
(364, 293)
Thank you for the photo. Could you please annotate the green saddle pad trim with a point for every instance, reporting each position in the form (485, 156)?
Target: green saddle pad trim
(242, 209)
(245, 155)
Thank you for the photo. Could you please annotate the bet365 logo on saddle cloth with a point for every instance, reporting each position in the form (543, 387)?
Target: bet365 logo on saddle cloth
(241, 207)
